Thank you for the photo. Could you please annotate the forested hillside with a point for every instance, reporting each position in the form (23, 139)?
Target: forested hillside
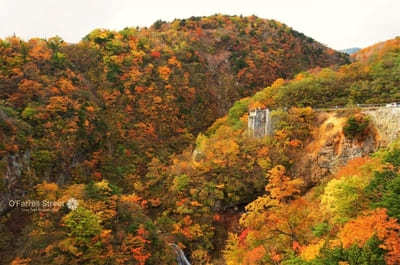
(147, 130)
(293, 217)
(108, 105)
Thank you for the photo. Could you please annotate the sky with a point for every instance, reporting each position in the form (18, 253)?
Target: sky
(338, 24)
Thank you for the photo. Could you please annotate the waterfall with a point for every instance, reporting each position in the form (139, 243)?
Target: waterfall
(180, 256)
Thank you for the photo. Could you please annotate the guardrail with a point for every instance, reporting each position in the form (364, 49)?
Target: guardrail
(360, 106)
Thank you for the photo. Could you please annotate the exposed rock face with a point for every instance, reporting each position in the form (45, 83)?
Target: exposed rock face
(197, 155)
(15, 167)
(330, 158)
(336, 152)
(387, 122)
(330, 150)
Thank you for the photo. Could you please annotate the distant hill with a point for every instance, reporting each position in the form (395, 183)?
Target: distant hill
(371, 78)
(379, 48)
(350, 50)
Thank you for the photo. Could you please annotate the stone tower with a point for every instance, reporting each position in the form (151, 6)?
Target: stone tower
(259, 123)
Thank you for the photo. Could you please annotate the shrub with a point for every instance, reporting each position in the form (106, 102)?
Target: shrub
(393, 157)
(356, 127)
(320, 229)
(237, 111)
(370, 253)
(99, 190)
(391, 199)
(344, 197)
(82, 224)
(379, 184)
(384, 190)
(180, 182)
(29, 113)
(43, 161)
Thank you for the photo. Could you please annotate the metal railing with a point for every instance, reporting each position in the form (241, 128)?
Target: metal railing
(360, 106)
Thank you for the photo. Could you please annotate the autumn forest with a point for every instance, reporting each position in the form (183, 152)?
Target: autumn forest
(138, 140)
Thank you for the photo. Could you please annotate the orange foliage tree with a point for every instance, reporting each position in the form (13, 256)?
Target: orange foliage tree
(378, 223)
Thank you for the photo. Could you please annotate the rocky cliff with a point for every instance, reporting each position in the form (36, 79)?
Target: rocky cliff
(330, 149)
(15, 167)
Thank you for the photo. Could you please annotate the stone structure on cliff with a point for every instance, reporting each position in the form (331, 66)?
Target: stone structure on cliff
(259, 123)
(387, 122)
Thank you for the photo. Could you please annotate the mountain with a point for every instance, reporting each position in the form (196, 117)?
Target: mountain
(350, 51)
(376, 49)
(107, 106)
